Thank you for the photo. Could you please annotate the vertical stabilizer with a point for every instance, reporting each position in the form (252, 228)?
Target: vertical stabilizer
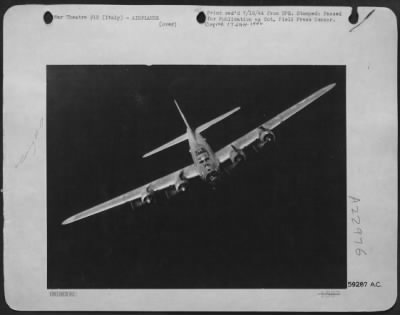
(183, 116)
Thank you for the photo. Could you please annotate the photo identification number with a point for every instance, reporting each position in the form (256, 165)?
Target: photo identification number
(363, 284)
(358, 234)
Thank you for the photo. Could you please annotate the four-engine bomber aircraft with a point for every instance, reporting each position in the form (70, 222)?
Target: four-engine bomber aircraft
(206, 162)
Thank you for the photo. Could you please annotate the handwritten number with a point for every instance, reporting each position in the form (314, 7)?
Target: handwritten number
(358, 231)
(360, 242)
(356, 219)
(354, 199)
(360, 252)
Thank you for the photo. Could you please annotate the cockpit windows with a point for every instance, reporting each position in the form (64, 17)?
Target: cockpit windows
(202, 155)
(200, 151)
(204, 159)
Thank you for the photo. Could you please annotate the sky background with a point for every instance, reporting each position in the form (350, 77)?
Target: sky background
(279, 221)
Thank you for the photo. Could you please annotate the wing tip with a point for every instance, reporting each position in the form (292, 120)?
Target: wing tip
(149, 154)
(330, 86)
(68, 221)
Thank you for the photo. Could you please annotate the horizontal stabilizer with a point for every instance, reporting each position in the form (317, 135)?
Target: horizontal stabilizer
(167, 145)
(216, 120)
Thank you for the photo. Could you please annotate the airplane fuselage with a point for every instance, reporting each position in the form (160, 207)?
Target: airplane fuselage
(203, 157)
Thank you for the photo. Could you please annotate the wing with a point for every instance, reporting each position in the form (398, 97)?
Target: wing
(252, 136)
(138, 193)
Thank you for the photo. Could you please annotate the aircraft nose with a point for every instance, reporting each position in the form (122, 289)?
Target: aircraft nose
(213, 177)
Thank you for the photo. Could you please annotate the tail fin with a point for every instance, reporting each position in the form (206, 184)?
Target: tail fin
(216, 120)
(183, 116)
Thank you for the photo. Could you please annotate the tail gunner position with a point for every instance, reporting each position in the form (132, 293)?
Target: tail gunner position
(206, 162)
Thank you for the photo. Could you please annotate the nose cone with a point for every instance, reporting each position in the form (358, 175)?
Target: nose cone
(213, 178)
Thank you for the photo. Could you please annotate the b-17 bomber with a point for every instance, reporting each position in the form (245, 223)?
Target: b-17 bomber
(207, 164)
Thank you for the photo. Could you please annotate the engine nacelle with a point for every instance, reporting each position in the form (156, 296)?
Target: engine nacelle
(237, 155)
(182, 185)
(265, 136)
(149, 197)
